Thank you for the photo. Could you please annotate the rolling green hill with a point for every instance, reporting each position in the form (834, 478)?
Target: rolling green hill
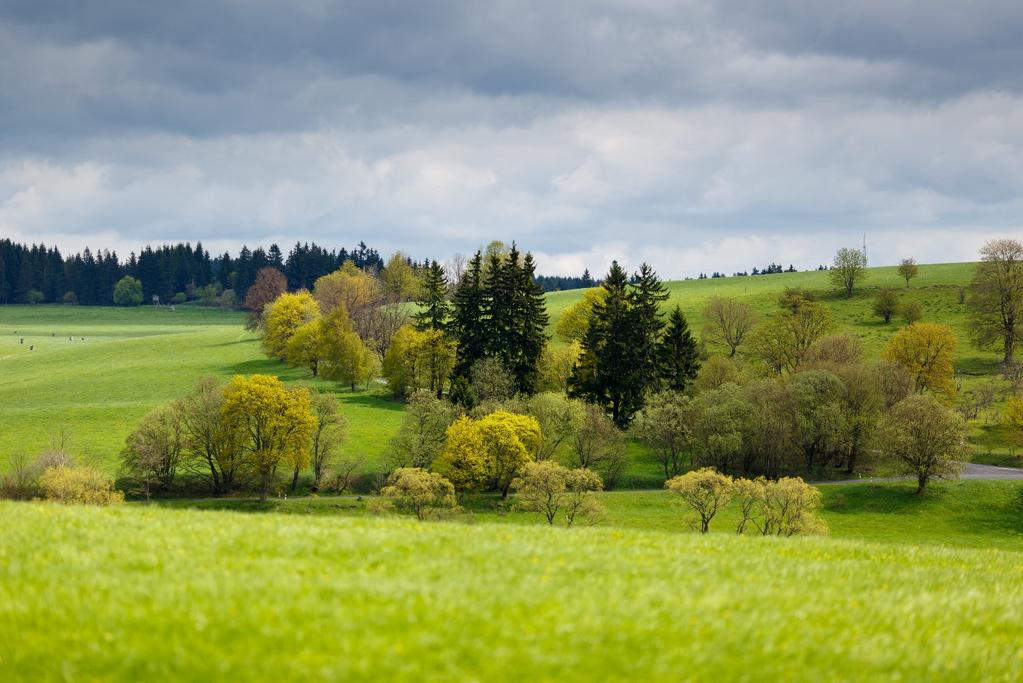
(131, 360)
(130, 593)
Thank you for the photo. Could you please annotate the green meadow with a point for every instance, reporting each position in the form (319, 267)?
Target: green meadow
(95, 372)
(130, 593)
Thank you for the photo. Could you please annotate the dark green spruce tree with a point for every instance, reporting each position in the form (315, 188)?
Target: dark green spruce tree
(605, 373)
(679, 355)
(646, 294)
(529, 320)
(434, 307)
(467, 320)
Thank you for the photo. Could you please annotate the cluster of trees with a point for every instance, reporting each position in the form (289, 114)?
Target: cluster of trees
(242, 435)
(783, 507)
(626, 346)
(38, 274)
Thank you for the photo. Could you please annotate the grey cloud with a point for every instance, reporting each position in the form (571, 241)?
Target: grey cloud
(577, 127)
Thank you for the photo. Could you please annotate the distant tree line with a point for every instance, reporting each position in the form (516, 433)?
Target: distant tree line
(41, 274)
(558, 283)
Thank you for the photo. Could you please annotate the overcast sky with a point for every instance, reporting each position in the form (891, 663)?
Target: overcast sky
(697, 136)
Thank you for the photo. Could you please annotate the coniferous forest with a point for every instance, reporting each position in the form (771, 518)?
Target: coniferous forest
(40, 274)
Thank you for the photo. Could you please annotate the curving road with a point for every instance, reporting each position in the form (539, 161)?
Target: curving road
(970, 471)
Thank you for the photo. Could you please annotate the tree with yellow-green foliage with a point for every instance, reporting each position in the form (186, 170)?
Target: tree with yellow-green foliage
(783, 342)
(548, 488)
(923, 438)
(925, 351)
(400, 281)
(306, 347)
(283, 317)
(420, 491)
(705, 491)
(489, 451)
(274, 424)
(418, 360)
(1013, 419)
(346, 358)
(575, 319)
(555, 367)
(461, 459)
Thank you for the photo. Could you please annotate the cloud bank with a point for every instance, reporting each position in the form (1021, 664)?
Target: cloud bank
(696, 136)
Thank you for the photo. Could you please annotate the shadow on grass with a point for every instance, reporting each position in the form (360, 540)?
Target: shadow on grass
(370, 400)
(294, 506)
(896, 499)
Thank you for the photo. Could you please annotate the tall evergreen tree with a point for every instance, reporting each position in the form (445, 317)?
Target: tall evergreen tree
(606, 373)
(434, 307)
(646, 294)
(467, 319)
(679, 355)
(530, 322)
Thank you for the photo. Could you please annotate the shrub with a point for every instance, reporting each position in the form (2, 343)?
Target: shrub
(79, 485)
(422, 492)
(913, 312)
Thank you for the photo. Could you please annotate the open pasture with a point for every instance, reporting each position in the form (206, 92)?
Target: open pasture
(128, 593)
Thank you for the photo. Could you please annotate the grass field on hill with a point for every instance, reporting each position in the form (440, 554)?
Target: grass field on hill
(967, 514)
(129, 594)
(132, 360)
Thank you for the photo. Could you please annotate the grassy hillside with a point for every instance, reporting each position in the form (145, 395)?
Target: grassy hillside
(130, 361)
(129, 593)
(966, 514)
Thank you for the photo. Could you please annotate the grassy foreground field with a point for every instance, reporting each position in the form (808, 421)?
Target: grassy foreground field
(129, 594)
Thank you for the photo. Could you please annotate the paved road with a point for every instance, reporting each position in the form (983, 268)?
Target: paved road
(970, 471)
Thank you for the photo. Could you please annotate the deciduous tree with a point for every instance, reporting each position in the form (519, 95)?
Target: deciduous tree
(270, 283)
(548, 487)
(275, 424)
(127, 292)
(665, 426)
(996, 298)
(729, 321)
(908, 270)
(421, 436)
(925, 351)
(924, 439)
(849, 267)
(886, 303)
(283, 317)
(422, 492)
(705, 491)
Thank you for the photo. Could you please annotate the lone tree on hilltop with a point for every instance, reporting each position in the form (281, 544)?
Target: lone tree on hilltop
(849, 267)
(908, 270)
